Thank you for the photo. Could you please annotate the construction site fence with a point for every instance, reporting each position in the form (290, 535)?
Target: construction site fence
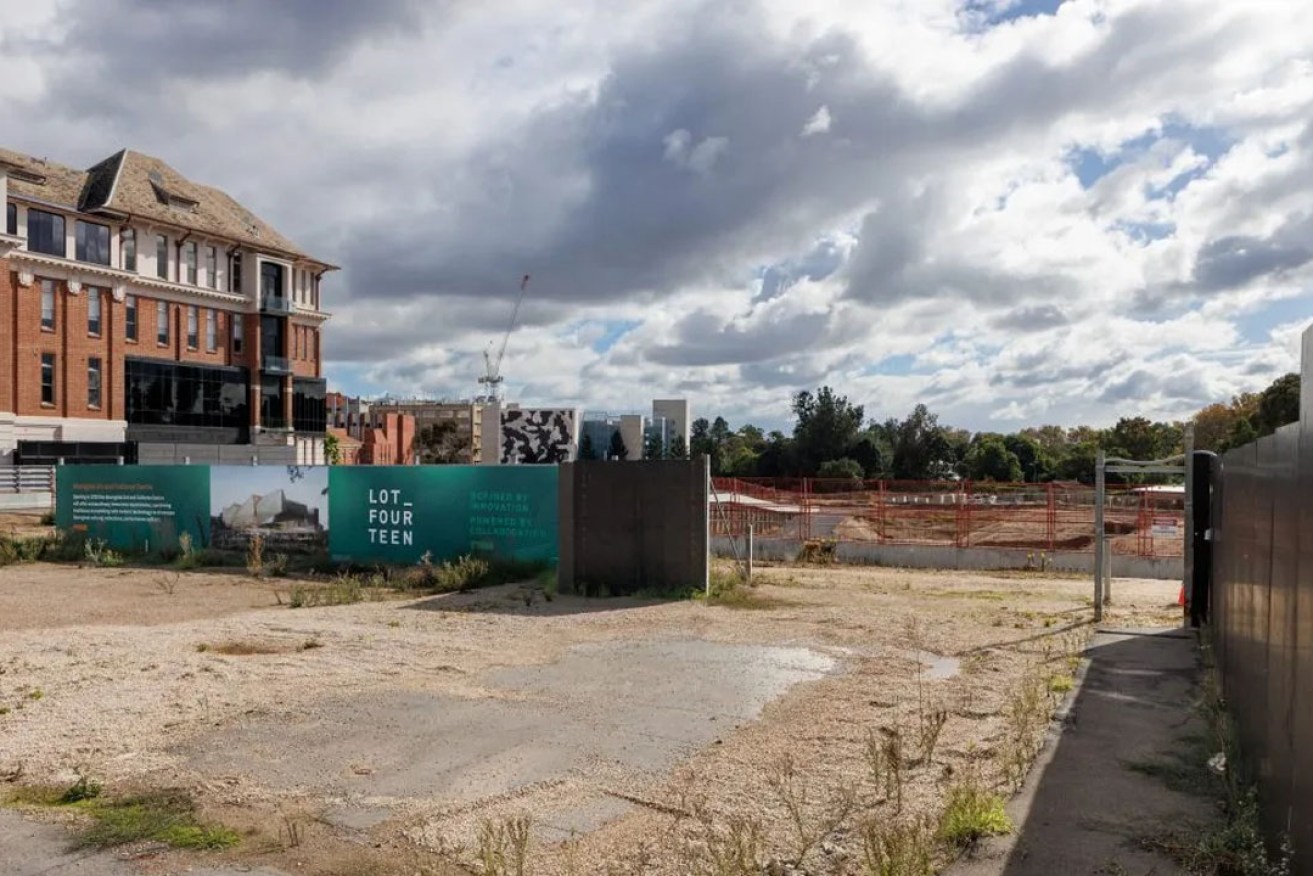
(1139, 521)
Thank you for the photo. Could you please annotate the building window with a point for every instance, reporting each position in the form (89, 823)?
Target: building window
(93, 382)
(45, 233)
(193, 328)
(296, 342)
(48, 305)
(161, 257)
(272, 415)
(162, 323)
(239, 332)
(11, 219)
(93, 312)
(235, 272)
(128, 246)
(212, 266)
(92, 242)
(161, 393)
(309, 405)
(211, 331)
(130, 323)
(314, 345)
(271, 280)
(189, 258)
(47, 378)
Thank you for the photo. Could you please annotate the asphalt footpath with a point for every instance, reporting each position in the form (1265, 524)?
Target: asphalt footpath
(1083, 808)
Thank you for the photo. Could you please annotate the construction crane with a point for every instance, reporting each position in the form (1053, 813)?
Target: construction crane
(492, 378)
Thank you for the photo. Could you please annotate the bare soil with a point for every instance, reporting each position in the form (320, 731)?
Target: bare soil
(411, 722)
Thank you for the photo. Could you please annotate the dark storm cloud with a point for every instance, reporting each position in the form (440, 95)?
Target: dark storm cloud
(1040, 316)
(152, 41)
(1231, 262)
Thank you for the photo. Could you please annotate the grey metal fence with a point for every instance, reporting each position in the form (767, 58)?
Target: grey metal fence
(1262, 615)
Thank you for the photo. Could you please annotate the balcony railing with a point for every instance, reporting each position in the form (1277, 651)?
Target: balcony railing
(275, 364)
(276, 304)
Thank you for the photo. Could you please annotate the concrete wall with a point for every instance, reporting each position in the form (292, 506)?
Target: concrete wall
(634, 526)
(913, 556)
(27, 501)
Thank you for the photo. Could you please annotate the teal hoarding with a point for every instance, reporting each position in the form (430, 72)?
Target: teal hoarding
(134, 507)
(396, 514)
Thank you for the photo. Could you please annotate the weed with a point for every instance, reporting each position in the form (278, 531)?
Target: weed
(810, 820)
(343, 590)
(898, 849)
(293, 830)
(277, 566)
(202, 648)
(1061, 683)
(394, 624)
(23, 550)
(504, 846)
(1235, 849)
(255, 555)
(166, 584)
(820, 551)
(932, 725)
(4, 710)
(729, 846)
(971, 814)
(48, 518)
(84, 788)
(311, 644)
(36, 694)
(97, 552)
(885, 764)
(159, 817)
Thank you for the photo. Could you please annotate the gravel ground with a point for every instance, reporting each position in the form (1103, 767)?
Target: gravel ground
(107, 671)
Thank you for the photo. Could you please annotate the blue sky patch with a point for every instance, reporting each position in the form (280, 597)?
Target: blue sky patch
(1092, 165)
(612, 331)
(991, 13)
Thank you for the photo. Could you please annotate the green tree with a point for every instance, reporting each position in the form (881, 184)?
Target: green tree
(586, 448)
(921, 450)
(1212, 425)
(332, 450)
(990, 460)
(441, 444)
(1242, 433)
(866, 453)
(617, 449)
(653, 446)
(1036, 463)
(1278, 405)
(678, 449)
(845, 469)
(827, 425)
(1079, 462)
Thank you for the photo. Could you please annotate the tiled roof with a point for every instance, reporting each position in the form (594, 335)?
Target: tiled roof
(143, 186)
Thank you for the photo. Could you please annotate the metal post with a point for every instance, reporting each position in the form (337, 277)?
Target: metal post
(751, 553)
(1187, 579)
(1098, 536)
(1107, 572)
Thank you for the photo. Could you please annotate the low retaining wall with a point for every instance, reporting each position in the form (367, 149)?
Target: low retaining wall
(917, 556)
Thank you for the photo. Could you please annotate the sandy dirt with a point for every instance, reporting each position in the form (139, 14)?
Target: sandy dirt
(389, 731)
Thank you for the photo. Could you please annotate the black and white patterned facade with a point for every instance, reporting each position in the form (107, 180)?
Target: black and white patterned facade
(538, 436)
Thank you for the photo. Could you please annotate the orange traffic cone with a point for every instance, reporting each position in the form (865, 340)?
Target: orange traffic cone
(1180, 600)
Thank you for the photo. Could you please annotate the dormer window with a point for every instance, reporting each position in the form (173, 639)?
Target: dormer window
(28, 176)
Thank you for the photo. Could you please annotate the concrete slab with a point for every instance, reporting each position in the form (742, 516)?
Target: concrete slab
(29, 848)
(1082, 810)
(631, 706)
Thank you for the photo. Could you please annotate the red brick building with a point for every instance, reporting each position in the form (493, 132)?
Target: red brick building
(139, 308)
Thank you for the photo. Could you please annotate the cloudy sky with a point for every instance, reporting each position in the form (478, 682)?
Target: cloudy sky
(1015, 211)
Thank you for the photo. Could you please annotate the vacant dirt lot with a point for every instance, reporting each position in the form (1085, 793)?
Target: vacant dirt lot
(378, 737)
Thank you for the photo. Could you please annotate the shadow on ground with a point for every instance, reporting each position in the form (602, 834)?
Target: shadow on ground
(1095, 797)
(525, 599)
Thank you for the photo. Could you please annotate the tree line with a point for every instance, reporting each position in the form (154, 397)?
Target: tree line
(832, 438)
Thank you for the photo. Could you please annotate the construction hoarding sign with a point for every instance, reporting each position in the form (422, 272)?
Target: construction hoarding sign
(379, 514)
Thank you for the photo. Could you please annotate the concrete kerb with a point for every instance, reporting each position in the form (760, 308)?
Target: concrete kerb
(980, 559)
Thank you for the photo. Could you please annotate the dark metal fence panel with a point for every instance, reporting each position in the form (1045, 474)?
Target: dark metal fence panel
(630, 527)
(1262, 615)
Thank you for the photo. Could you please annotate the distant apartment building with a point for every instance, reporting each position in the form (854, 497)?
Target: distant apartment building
(466, 416)
(368, 435)
(139, 308)
(637, 433)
